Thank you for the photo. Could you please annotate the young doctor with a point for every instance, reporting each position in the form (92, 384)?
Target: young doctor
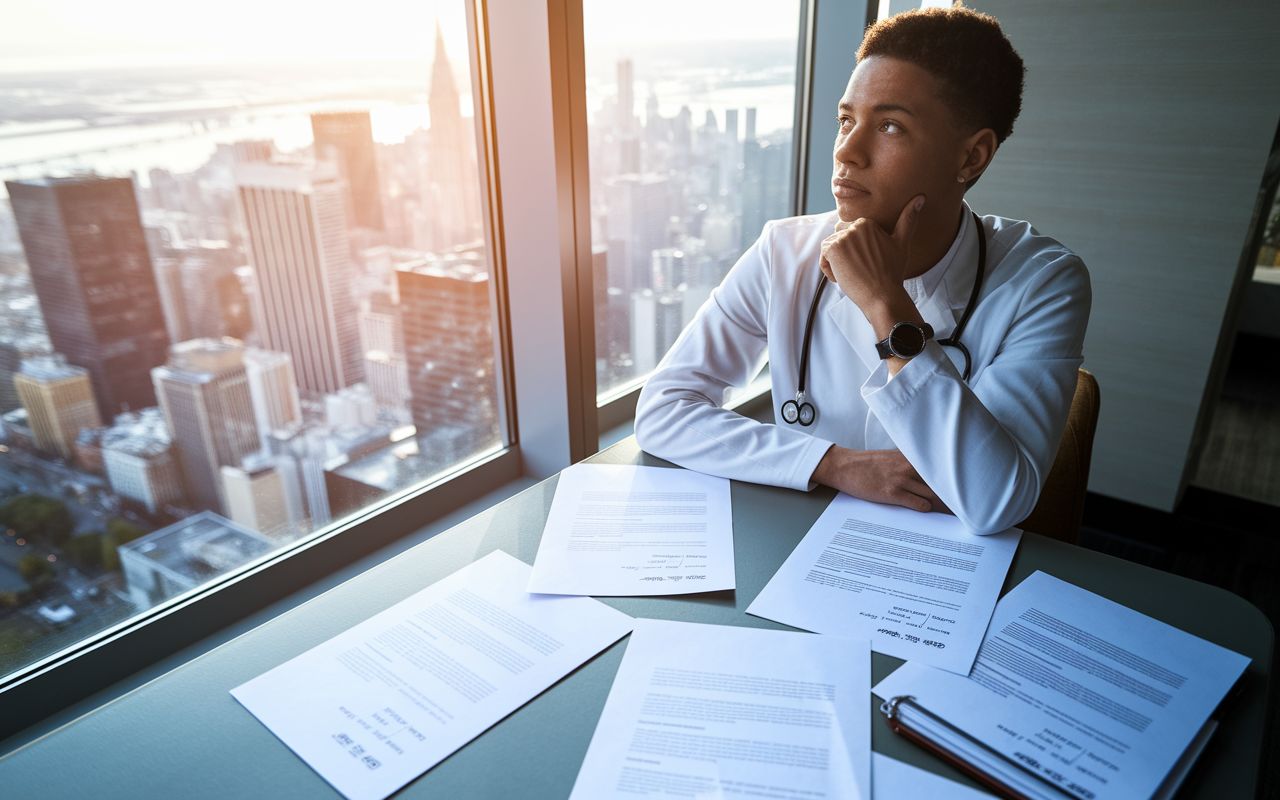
(920, 355)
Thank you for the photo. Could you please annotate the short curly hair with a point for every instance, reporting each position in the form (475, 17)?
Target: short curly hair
(979, 73)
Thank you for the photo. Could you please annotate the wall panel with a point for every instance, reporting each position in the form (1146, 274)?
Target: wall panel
(1145, 129)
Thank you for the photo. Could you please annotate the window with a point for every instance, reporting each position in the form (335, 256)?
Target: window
(690, 131)
(248, 282)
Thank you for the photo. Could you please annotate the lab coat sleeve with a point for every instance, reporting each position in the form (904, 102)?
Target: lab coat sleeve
(986, 451)
(679, 415)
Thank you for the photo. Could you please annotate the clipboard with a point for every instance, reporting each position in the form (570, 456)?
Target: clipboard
(891, 710)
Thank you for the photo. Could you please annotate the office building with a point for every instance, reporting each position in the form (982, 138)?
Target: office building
(656, 321)
(186, 554)
(256, 497)
(204, 391)
(382, 336)
(140, 460)
(302, 270)
(444, 306)
(59, 401)
(628, 141)
(88, 450)
(301, 454)
(199, 293)
(92, 273)
(730, 157)
(10, 363)
(347, 137)
(766, 175)
(451, 185)
(273, 390)
(639, 212)
(352, 407)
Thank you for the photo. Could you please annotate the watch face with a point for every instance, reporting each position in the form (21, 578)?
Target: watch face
(906, 340)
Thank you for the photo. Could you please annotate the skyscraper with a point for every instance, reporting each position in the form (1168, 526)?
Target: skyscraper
(302, 268)
(350, 135)
(59, 402)
(274, 391)
(766, 177)
(639, 211)
(628, 140)
(383, 339)
(452, 185)
(300, 455)
(204, 391)
(89, 264)
(444, 306)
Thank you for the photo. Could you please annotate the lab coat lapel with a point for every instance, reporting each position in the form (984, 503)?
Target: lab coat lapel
(944, 307)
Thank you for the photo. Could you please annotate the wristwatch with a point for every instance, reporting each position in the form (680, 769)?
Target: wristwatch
(906, 340)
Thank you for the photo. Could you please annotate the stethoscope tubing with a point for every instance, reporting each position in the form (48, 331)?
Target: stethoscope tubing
(805, 413)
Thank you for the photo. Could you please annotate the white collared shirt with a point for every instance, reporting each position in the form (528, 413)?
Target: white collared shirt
(984, 447)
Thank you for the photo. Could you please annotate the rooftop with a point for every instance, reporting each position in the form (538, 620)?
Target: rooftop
(205, 356)
(200, 547)
(141, 433)
(51, 368)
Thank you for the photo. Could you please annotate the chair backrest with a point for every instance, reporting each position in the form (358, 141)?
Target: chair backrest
(1060, 509)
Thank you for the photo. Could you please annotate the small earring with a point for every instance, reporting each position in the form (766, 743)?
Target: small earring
(960, 178)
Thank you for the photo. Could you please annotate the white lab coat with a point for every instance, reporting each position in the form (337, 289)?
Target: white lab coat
(984, 447)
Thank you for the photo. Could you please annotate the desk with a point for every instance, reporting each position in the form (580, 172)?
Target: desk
(183, 735)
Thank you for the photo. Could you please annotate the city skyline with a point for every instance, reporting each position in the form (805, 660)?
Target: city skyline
(267, 280)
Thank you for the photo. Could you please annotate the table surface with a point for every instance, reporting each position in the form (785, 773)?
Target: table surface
(183, 735)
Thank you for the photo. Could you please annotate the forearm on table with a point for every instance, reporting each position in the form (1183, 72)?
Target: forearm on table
(987, 468)
(701, 436)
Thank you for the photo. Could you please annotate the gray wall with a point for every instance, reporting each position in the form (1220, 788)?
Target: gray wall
(1144, 133)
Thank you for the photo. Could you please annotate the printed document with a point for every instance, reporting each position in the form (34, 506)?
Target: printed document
(378, 705)
(1092, 697)
(711, 711)
(919, 586)
(619, 530)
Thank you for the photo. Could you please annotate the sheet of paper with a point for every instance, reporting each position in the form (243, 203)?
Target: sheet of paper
(709, 711)
(919, 586)
(892, 779)
(1095, 697)
(381, 703)
(618, 530)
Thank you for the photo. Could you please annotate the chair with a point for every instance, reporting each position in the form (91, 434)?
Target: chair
(1060, 509)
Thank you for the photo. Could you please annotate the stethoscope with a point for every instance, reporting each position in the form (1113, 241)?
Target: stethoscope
(804, 412)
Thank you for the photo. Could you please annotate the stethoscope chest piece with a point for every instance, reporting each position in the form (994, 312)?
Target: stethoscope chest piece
(799, 411)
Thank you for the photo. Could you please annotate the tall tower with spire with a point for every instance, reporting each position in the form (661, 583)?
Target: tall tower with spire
(452, 179)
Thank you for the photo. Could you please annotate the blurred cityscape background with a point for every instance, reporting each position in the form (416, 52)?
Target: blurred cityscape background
(239, 302)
